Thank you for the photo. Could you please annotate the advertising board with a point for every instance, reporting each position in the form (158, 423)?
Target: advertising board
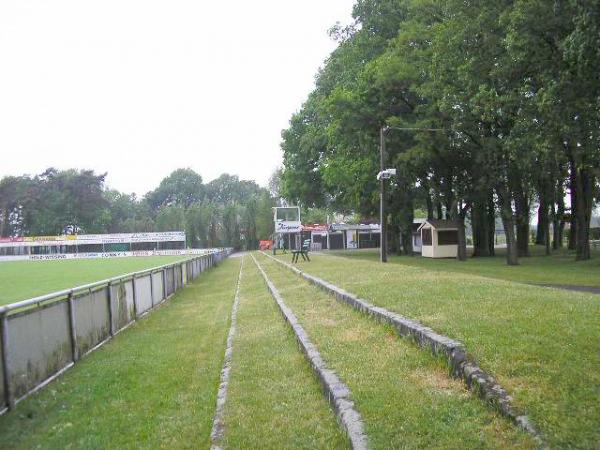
(287, 226)
(81, 239)
(95, 255)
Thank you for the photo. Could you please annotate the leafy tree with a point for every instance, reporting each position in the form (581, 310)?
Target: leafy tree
(170, 218)
(182, 187)
(512, 83)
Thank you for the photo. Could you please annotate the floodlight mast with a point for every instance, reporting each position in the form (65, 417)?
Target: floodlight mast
(382, 176)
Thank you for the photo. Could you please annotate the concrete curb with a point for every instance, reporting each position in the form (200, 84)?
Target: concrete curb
(218, 428)
(461, 364)
(338, 394)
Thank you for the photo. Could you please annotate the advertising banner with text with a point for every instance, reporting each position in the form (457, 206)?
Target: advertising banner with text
(284, 226)
(61, 256)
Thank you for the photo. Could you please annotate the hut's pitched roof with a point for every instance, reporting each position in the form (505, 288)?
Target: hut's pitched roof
(441, 224)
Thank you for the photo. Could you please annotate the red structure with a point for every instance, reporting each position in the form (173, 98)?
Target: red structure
(265, 245)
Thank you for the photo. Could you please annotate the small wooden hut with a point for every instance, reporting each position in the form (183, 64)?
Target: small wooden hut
(439, 238)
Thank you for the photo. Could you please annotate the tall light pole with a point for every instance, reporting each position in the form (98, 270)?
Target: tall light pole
(382, 222)
(383, 174)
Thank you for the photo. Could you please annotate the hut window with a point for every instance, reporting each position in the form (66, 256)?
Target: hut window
(426, 236)
(448, 237)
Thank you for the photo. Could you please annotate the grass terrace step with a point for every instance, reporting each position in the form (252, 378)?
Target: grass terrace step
(153, 386)
(541, 344)
(558, 268)
(405, 395)
(274, 400)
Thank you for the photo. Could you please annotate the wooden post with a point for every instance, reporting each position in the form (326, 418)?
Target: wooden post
(164, 283)
(8, 394)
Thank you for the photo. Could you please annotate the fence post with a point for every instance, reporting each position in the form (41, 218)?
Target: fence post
(183, 267)
(151, 291)
(164, 283)
(110, 308)
(72, 330)
(135, 315)
(174, 279)
(8, 395)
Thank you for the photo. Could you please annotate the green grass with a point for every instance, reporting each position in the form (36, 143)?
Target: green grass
(274, 400)
(405, 395)
(21, 280)
(558, 268)
(541, 343)
(153, 386)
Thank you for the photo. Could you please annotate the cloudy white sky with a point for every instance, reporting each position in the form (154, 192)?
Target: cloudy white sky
(138, 88)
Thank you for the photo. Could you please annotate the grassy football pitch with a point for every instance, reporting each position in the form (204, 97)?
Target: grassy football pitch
(21, 280)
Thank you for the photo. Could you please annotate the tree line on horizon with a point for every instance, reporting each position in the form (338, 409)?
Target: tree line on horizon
(511, 89)
(226, 212)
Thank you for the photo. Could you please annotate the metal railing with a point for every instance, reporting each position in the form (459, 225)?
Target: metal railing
(44, 336)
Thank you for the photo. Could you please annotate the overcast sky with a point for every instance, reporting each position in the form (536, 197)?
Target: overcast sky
(138, 88)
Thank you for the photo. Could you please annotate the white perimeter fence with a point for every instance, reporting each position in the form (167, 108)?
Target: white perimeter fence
(44, 336)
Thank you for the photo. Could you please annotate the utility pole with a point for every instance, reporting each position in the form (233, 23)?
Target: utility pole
(382, 219)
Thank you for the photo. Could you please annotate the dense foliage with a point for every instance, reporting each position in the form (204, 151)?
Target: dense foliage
(225, 212)
(513, 85)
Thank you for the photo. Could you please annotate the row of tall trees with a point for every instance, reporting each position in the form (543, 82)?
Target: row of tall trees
(225, 212)
(510, 88)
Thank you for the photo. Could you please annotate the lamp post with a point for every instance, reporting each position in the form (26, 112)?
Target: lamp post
(387, 173)
(382, 222)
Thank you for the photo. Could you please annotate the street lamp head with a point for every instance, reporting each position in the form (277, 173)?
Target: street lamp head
(386, 174)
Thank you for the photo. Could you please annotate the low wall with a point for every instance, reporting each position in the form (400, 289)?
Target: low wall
(43, 336)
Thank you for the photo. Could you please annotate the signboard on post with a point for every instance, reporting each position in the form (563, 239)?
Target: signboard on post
(287, 219)
(286, 226)
(287, 213)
